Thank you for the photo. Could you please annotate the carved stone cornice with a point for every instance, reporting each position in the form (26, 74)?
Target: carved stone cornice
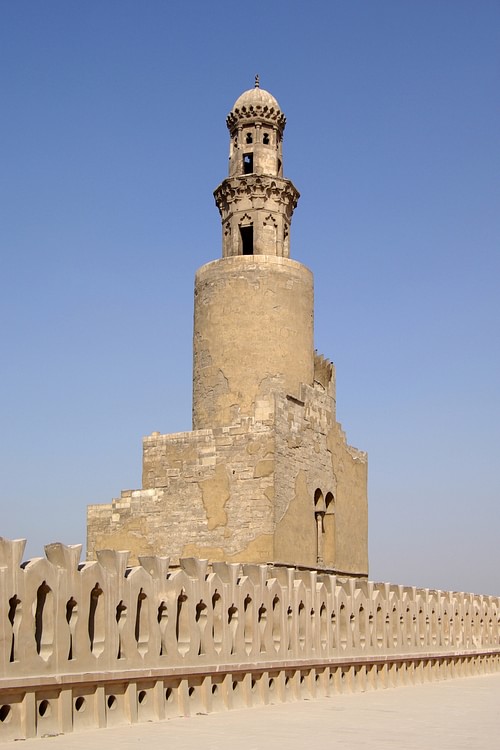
(258, 190)
(256, 112)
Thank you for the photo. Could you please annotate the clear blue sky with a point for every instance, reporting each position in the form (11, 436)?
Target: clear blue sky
(113, 137)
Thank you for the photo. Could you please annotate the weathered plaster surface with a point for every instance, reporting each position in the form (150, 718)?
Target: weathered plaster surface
(215, 494)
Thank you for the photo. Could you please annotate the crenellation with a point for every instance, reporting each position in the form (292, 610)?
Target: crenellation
(196, 624)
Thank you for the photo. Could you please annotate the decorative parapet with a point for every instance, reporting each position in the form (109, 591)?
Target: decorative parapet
(255, 191)
(70, 629)
(256, 112)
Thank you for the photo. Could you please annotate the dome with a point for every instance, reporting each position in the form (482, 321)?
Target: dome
(256, 97)
(258, 104)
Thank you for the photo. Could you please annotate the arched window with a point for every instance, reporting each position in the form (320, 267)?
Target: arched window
(247, 163)
(318, 500)
(319, 514)
(329, 503)
(246, 235)
(329, 530)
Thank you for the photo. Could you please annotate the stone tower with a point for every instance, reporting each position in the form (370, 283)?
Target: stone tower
(266, 474)
(253, 314)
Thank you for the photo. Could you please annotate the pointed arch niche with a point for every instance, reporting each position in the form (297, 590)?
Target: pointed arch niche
(319, 515)
(324, 516)
(329, 531)
(246, 235)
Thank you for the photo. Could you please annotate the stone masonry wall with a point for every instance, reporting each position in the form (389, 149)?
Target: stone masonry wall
(100, 644)
(207, 493)
(248, 492)
(303, 464)
(312, 456)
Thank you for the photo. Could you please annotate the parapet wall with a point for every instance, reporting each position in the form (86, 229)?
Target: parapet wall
(98, 644)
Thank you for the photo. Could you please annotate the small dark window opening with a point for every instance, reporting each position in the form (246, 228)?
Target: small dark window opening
(247, 163)
(249, 138)
(266, 139)
(279, 167)
(246, 240)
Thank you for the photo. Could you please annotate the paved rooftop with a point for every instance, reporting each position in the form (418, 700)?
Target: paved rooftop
(460, 713)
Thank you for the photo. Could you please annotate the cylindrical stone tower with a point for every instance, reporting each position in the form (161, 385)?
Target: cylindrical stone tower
(253, 312)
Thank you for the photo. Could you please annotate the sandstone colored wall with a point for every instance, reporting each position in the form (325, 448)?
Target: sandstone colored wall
(208, 493)
(351, 503)
(303, 464)
(313, 459)
(253, 333)
(101, 644)
(249, 491)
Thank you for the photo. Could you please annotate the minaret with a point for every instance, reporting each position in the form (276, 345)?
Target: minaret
(253, 318)
(256, 203)
(266, 475)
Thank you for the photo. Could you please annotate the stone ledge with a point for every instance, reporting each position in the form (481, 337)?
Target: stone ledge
(132, 675)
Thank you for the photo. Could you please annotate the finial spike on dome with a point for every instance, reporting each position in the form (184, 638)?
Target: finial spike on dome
(257, 81)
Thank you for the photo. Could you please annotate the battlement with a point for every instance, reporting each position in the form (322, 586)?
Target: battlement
(324, 374)
(99, 643)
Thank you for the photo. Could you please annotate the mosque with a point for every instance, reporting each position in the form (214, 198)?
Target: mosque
(246, 581)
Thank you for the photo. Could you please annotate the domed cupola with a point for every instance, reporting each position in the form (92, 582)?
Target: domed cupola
(256, 203)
